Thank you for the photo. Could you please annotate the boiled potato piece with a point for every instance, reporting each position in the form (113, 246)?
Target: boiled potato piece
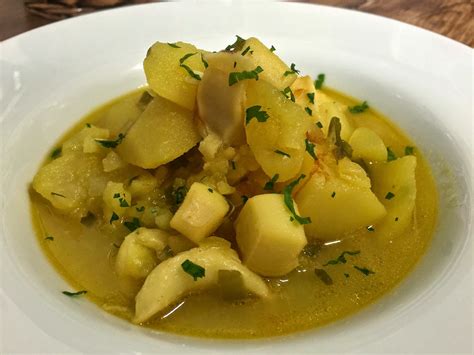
(168, 282)
(327, 108)
(163, 132)
(167, 78)
(142, 185)
(339, 202)
(220, 106)
(116, 200)
(201, 212)
(396, 177)
(367, 145)
(137, 257)
(112, 161)
(268, 240)
(65, 182)
(283, 131)
(301, 87)
(85, 140)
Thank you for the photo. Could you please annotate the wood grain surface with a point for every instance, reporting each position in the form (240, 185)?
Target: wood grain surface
(451, 18)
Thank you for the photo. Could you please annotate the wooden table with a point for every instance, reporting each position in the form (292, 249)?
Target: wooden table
(452, 18)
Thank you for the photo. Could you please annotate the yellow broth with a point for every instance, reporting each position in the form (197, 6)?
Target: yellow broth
(84, 255)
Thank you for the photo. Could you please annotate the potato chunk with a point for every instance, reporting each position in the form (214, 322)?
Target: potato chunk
(162, 133)
(167, 78)
(270, 243)
(168, 282)
(283, 131)
(339, 203)
(201, 212)
(137, 254)
(394, 183)
(116, 200)
(327, 108)
(367, 145)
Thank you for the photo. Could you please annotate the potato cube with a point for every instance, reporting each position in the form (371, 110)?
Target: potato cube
(367, 145)
(116, 199)
(141, 185)
(201, 212)
(112, 161)
(268, 240)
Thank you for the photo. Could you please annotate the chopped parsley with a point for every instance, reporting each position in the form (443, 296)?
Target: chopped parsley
(341, 259)
(269, 185)
(232, 164)
(140, 209)
(56, 153)
(318, 83)
(310, 148)
(114, 217)
(310, 97)
(123, 202)
(278, 151)
(235, 64)
(186, 56)
(88, 125)
(254, 111)
(359, 108)
(193, 269)
(56, 194)
(204, 62)
(245, 51)
(371, 228)
(179, 194)
(235, 77)
(346, 275)
(292, 70)
(308, 111)
(396, 219)
(74, 294)
(289, 201)
(111, 143)
(133, 224)
(364, 270)
(237, 45)
(319, 124)
(173, 45)
(409, 150)
(342, 148)
(49, 237)
(333, 194)
(389, 195)
(210, 190)
(272, 49)
(191, 73)
(323, 276)
(390, 155)
(244, 199)
(287, 91)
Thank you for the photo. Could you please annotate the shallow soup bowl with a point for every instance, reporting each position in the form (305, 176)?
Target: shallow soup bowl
(52, 76)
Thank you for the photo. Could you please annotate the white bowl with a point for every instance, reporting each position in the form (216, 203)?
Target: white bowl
(54, 75)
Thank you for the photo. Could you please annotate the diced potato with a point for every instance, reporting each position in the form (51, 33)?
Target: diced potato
(142, 185)
(201, 212)
(167, 78)
(339, 203)
(85, 140)
(65, 182)
(220, 106)
(137, 255)
(163, 218)
(268, 240)
(163, 132)
(327, 108)
(398, 178)
(273, 67)
(116, 199)
(284, 131)
(112, 161)
(168, 282)
(301, 87)
(367, 145)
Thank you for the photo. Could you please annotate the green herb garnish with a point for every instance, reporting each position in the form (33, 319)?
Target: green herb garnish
(49, 237)
(193, 269)
(389, 195)
(310, 97)
(140, 209)
(292, 70)
(341, 259)
(272, 49)
(56, 194)
(74, 294)
(342, 148)
(310, 148)
(210, 190)
(269, 185)
(371, 229)
(364, 270)
(287, 91)
(289, 201)
(244, 199)
(133, 224)
(173, 45)
(123, 202)
(114, 217)
(191, 73)
(254, 111)
(319, 124)
(88, 125)
(346, 275)
(179, 194)
(323, 276)
(235, 77)
(245, 51)
(186, 56)
(333, 194)
(396, 219)
(235, 64)
(111, 143)
(308, 111)
(390, 155)
(409, 150)
(318, 83)
(278, 151)
(359, 108)
(237, 45)
(232, 164)
(204, 62)
(56, 153)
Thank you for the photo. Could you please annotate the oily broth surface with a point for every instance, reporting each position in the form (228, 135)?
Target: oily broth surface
(85, 257)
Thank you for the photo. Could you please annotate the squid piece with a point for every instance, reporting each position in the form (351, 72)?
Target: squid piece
(168, 282)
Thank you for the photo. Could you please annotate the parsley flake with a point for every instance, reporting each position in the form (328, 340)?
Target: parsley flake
(88, 125)
(333, 194)
(287, 91)
(272, 49)
(308, 111)
(114, 217)
(245, 51)
(237, 45)
(310, 149)
(186, 56)
(390, 154)
(359, 108)
(210, 190)
(179, 194)
(254, 111)
(133, 224)
(232, 164)
(56, 194)
(56, 153)
(74, 294)
(204, 62)
(319, 124)
(310, 97)
(289, 201)
(292, 70)
(269, 185)
(235, 77)
(244, 199)
(389, 195)
(278, 151)
(49, 237)
(409, 150)
(193, 269)
(140, 209)
(191, 73)
(318, 83)
(341, 259)
(173, 45)
(364, 270)
(111, 143)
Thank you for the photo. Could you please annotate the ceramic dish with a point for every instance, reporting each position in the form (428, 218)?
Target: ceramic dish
(54, 75)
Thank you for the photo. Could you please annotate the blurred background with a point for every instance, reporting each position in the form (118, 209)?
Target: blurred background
(451, 18)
